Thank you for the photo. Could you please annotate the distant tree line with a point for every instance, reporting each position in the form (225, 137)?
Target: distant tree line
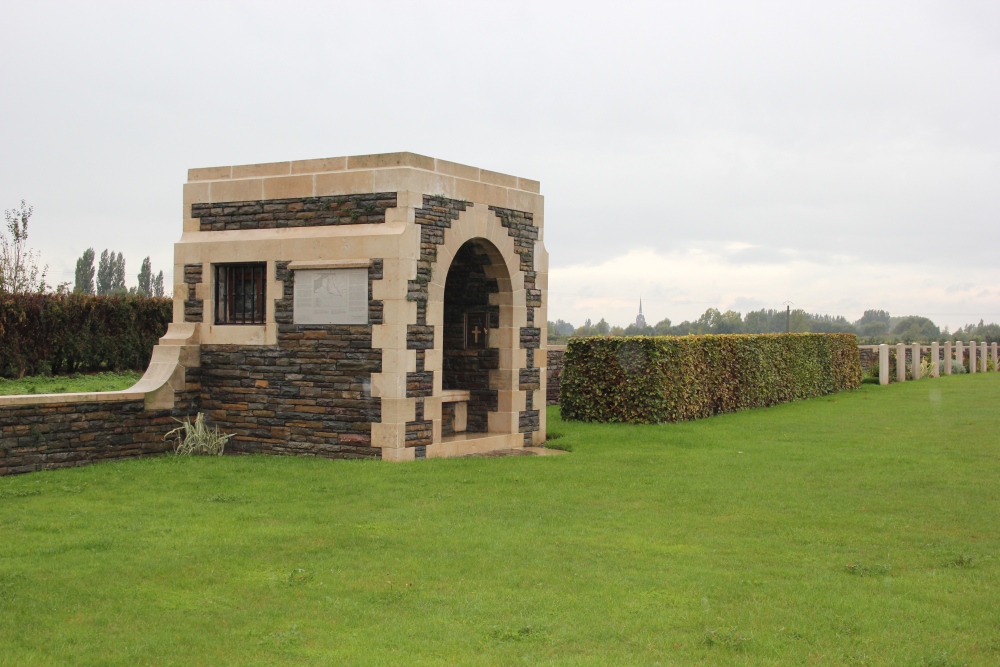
(874, 327)
(110, 276)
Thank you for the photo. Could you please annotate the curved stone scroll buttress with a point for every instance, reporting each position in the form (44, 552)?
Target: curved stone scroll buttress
(167, 374)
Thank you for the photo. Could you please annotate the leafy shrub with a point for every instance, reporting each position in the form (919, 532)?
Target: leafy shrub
(64, 333)
(665, 379)
(198, 438)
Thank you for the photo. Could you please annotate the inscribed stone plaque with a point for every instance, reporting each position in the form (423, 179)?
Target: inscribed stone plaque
(331, 296)
(476, 331)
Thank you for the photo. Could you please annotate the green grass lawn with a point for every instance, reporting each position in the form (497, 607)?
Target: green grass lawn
(61, 384)
(856, 529)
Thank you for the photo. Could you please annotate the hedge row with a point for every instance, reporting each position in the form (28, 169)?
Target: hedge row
(642, 379)
(75, 332)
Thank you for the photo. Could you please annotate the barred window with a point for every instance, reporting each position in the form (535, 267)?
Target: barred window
(239, 293)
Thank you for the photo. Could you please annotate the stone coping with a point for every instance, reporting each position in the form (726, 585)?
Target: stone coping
(363, 162)
(78, 397)
(330, 264)
(454, 396)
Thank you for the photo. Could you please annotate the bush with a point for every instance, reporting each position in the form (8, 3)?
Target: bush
(664, 379)
(64, 333)
(198, 438)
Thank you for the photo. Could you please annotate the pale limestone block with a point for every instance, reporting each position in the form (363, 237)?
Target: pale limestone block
(396, 179)
(286, 187)
(528, 202)
(232, 334)
(209, 173)
(503, 422)
(900, 362)
(456, 169)
(390, 288)
(399, 311)
(345, 183)
(483, 194)
(401, 159)
(195, 193)
(433, 359)
(461, 416)
(432, 408)
(435, 431)
(397, 454)
(389, 385)
(496, 178)
(251, 189)
(403, 268)
(409, 199)
(435, 314)
(399, 359)
(262, 169)
(528, 185)
(398, 410)
(319, 165)
(400, 216)
(389, 336)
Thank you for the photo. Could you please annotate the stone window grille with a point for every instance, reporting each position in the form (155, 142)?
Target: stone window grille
(240, 293)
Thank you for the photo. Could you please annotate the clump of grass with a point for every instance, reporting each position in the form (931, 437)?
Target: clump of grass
(551, 436)
(198, 438)
(862, 570)
(963, 561)
(731, 638)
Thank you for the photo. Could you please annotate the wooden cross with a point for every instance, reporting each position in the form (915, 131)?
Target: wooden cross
(475, 334)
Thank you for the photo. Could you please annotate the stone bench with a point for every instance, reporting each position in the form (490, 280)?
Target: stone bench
(455, 402)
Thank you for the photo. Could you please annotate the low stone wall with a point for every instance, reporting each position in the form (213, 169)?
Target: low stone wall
(554, 355)
(76, 431)
(39, 432)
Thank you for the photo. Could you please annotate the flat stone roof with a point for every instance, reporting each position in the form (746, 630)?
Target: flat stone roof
(363, 162)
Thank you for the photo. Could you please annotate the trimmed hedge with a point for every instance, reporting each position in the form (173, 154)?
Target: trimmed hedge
(74, 332)
(641, 379)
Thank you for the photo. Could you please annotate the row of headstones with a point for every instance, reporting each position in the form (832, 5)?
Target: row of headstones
(952, 354)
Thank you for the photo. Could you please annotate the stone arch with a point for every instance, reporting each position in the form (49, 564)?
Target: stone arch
(481, 227)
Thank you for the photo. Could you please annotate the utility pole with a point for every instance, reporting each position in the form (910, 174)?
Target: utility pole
(788, 317)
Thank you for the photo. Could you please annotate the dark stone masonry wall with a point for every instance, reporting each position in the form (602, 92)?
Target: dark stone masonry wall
(194, 308)
(308, 395)
(63, 435)
(361, 209)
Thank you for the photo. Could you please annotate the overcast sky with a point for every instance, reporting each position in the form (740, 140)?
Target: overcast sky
(840, 156)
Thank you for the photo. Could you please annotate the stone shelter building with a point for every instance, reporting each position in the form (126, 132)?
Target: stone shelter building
(386, 306)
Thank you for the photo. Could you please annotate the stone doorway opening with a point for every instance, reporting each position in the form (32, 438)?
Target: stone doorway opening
(476, 290)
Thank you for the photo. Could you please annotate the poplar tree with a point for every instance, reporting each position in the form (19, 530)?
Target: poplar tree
(145, 280)
(105, 273)
(85, 273)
